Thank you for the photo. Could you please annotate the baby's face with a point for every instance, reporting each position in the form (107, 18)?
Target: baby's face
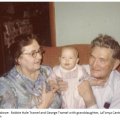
(68, 58)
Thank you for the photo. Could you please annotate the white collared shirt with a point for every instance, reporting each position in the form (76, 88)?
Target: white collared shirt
(110, 92)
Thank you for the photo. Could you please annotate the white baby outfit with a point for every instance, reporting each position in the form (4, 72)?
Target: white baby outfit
(70, 98)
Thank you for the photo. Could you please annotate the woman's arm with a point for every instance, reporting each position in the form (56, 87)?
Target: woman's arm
(7, 96)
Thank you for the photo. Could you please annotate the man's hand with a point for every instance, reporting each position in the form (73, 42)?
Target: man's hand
(86, 92)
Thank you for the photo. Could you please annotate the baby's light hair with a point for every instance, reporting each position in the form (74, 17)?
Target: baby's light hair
(72, 48)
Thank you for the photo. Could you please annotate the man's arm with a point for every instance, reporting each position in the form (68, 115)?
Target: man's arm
(86, 92)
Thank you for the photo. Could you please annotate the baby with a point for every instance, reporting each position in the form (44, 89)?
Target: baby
(72, 73)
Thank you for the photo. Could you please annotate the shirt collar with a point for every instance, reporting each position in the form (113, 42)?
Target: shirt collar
(61, 68)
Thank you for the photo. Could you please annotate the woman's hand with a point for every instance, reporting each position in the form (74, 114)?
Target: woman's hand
(58, 85)
(62, 85)
(46, 98)
(53, 85)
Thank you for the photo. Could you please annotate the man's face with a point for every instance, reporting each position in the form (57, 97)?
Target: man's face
(101, 62)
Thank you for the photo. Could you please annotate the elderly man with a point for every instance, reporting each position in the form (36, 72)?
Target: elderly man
(102, 90)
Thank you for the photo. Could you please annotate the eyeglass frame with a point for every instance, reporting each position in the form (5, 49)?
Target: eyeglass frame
(34, 53)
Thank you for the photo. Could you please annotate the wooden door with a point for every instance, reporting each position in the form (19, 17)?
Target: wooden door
(22, 17)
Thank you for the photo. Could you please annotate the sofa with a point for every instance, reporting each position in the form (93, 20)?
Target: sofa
(51, 55)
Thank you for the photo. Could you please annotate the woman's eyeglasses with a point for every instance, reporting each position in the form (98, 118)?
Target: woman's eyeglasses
(34, 53)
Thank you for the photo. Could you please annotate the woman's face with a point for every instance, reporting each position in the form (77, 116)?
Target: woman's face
(31, 57)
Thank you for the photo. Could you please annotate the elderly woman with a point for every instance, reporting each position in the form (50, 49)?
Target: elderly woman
(25, 86)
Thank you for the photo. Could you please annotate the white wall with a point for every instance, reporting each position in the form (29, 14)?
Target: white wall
(81, 22)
